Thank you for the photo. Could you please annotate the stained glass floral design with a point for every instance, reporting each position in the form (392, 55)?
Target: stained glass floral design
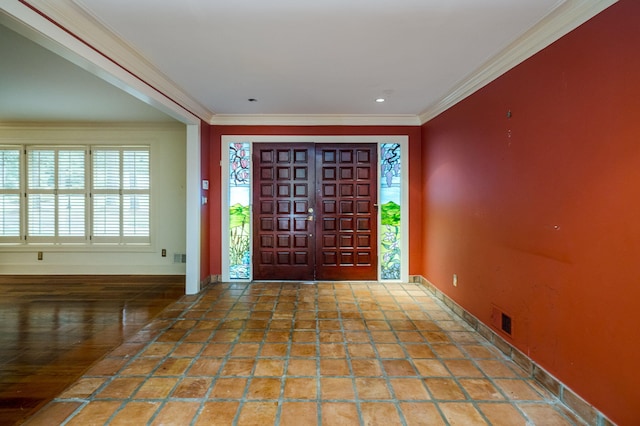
(390, 197)
(239, 211)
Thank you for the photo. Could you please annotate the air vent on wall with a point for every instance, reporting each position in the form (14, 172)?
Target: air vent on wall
(179, 258)
(506, 324)
(501, 320)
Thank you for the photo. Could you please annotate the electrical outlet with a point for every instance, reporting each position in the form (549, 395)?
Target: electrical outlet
(455, 280)
(164, 252)
(40, 256)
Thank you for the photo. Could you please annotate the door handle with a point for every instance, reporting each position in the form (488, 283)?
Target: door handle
(310, 217)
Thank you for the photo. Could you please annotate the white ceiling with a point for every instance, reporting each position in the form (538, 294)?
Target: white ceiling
(298, 57)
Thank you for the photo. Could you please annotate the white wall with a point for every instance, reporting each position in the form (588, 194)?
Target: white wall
(168, 212)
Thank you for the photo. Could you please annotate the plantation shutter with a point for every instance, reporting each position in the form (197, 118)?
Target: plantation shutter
(56, 194)
(106, 193)
(41, 180)
(135, 186)
(71, 193)
(10, 194)
(121, 194)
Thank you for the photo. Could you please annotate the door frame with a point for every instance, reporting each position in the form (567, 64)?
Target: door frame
(403, 141)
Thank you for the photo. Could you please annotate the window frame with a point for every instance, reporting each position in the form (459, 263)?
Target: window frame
(122, 192)
(15, 239)
(56, 191)
(87, 240)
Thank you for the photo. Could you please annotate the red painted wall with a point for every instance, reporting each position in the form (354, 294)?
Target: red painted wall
(205, 268)
(415, 187)
(539, 213)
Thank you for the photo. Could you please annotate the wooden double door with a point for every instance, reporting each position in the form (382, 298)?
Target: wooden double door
(315, 211)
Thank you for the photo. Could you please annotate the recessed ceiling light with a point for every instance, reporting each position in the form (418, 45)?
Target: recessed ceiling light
(380, 100)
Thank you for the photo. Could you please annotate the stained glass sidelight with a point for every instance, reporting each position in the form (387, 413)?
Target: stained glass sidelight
(391, 202)
(239, 211)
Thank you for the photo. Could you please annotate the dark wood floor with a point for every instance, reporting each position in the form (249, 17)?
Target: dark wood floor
(52, 328)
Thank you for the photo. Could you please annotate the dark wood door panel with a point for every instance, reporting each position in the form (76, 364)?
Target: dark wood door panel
(284, 241)
(315, 215)
(346, 220)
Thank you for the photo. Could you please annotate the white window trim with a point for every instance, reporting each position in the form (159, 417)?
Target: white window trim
(121, 191)
(29, 239)
(27, 242)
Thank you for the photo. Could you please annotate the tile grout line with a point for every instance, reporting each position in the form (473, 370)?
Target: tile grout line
(389, 300)
(88, 399)
(455, 377)
(318, 378)
(352, 377)
(194, 359)
(553, 402)
(243, 399)
(203, 400)
(395, 401)
(436, 402)
(280, 399)
(147, 376)
(471, 359)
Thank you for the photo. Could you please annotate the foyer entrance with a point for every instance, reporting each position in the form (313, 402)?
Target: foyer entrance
(315, 211)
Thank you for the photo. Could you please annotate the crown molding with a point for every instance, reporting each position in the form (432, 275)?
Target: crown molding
(85, 27)
(314, 120)
(565, 17)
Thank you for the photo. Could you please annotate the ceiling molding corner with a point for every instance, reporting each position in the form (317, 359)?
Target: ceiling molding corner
(89, 30)
(567, 16)
(314, 120)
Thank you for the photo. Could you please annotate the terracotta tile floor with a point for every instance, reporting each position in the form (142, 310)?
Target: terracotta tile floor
(301, 354)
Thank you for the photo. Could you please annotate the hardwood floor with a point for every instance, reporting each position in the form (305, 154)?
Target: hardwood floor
(52, 328)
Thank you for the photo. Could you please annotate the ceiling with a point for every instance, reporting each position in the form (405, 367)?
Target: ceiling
(295, 58)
